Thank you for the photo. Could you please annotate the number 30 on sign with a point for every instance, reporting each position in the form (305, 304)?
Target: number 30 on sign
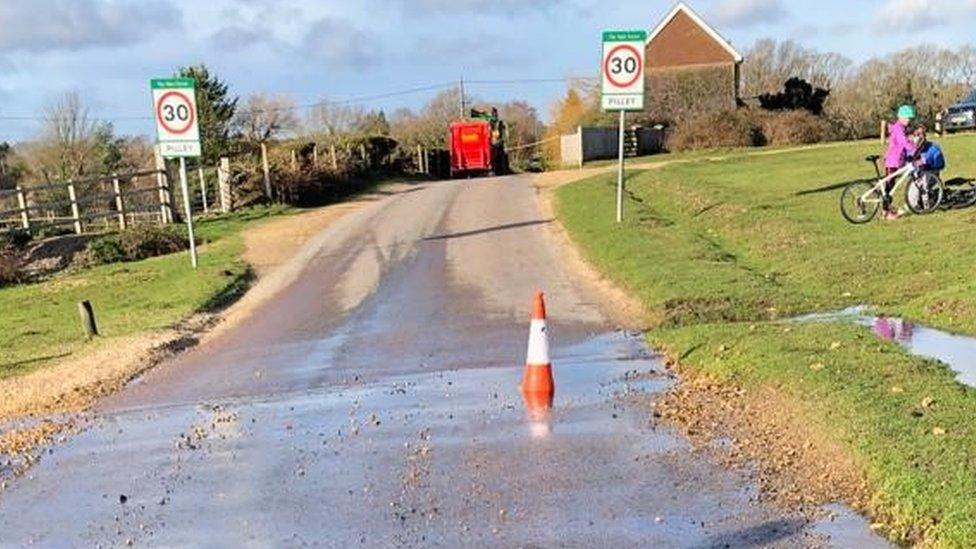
(623, 70)
(175, 110)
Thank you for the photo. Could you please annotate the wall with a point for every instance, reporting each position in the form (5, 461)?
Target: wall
(601, 143)
(683, 43)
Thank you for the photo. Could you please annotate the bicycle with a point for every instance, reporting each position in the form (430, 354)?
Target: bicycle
(861, 200)
(960, 193)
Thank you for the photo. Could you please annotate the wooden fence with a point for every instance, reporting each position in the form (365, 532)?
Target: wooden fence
(92, 204)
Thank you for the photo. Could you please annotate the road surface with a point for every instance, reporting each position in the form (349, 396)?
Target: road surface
(373, 402)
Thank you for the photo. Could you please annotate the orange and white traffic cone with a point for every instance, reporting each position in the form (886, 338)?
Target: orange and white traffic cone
(537, 379)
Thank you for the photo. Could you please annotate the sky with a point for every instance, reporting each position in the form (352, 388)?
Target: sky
(340, 50)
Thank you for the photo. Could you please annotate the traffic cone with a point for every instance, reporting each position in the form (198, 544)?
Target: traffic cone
(537, 378)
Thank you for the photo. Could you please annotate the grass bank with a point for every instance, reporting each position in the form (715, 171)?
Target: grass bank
(39, 322)
(720, 251)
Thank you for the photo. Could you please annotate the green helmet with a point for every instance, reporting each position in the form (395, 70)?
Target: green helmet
(907, 112)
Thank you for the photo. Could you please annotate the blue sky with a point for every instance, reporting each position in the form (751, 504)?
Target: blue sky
(331, 49)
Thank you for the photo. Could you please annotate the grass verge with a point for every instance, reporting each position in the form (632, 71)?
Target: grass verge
(720, 251)
(39, 322)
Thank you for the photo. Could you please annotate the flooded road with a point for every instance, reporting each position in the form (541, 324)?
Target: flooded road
(374, 403)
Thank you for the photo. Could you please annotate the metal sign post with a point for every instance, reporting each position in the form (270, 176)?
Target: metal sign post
(622, 73)
(178, 134)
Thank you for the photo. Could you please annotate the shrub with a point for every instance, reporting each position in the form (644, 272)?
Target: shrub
(794, 128)
(720, 129)
(107, 249)
(136, 244)
(152, 241)
(10, 268)
(14, 239)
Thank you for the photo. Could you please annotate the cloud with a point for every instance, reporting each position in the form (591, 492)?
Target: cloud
(916, 15)
(237, 37)
(52, 25)
(482, 50)
(747, 13)
(340, 42)
(910, 14)
(508, 8)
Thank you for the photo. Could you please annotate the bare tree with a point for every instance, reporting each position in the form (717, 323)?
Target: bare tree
(63, 150)
(333, 119)
(265, 117)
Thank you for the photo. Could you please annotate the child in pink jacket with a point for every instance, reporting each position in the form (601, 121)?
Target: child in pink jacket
(901, 149)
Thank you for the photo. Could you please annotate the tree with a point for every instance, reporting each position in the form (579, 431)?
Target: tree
(373, 124)
(215, 111)
(524, 128)
(769, 63)
(797, 94)
(265, 117)
(332, 119)
(63, 150)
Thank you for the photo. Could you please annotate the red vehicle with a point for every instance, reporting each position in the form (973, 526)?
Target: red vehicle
(478, 146)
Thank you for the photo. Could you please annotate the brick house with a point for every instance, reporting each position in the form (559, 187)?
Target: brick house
(689, 67)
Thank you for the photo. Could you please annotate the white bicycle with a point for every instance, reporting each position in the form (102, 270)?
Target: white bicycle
(861, 200)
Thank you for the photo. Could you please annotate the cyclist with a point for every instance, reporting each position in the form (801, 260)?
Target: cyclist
(900, 151)
(928, 153)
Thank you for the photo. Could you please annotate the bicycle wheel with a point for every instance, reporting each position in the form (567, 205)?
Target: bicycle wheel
(860, 202)
(962, 196)
(924, 194)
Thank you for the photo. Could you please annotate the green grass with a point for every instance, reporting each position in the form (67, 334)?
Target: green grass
(719, 250)
(39, 323)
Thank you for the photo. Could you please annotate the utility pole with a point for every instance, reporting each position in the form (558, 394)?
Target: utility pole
(464, 107)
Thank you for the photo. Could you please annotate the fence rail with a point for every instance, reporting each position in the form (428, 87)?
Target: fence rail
(80, 202)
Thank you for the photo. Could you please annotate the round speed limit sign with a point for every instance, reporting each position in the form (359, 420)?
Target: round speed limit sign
(175, 110)
(623, 70)
(622, 66)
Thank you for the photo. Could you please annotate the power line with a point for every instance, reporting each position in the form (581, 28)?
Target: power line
(351, 100)
(348, 101)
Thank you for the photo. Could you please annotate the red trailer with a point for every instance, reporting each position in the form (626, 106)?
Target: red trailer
(470, 145)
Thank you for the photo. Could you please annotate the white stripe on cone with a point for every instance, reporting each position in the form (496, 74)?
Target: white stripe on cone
(538, 353)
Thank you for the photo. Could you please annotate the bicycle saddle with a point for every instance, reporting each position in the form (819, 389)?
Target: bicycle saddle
(873, 158)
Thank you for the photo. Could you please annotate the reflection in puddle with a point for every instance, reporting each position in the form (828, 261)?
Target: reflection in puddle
(956, 351)
(893, 329)
(539, 409)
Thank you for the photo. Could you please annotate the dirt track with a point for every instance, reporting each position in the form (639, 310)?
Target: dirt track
(373, 402)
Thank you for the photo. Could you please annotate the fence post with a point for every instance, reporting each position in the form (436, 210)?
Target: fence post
(75, 210)
(119, 202)
(884, 132)
(315, 155)
(203, 190)
(335, 160)
(267, 171)
(22, 204)
(88, 324)
(362, 153)
(162, 183)
(579, 145)
(223, 185)
(294, 161)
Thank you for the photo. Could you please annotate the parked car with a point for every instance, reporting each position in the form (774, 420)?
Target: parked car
(960, 116)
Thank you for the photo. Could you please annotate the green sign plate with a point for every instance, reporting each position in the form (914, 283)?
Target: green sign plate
(625, 36)
(171, 83)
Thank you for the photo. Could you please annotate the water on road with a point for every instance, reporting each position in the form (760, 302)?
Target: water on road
(374, 403)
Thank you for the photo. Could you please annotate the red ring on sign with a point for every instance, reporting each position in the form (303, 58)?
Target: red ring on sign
(606, 66)
(189, 107)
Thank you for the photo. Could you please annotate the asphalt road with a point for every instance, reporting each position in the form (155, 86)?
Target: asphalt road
(374, 402)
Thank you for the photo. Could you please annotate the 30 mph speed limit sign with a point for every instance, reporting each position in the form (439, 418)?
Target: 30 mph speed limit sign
(623, 70)
(175, 110)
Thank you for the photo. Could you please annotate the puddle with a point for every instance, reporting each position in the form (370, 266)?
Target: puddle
(957, 351)
(844, 524)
